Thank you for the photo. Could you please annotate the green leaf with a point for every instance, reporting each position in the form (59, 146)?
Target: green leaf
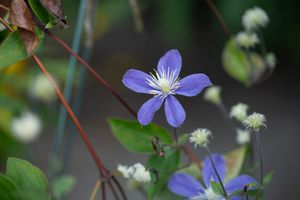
(165, 167)
(182, 139)
(7, 188)
(234, 162)
(62, 186)
(267, 179)
(137, 138)
(216, 187)
(237, 65)
(30, 181)
(42, 13)
(12, 49)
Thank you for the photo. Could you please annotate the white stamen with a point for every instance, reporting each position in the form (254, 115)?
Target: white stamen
(163, 83)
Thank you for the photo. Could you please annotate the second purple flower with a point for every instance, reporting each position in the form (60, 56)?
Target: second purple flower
(163, 85)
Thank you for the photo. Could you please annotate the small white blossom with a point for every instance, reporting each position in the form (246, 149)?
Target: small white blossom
(140, 173)
(246, 40)
(239, 111)
(242, 136)
(136, 172)
(255, 121)
(125, 170)
(271, 60)
(42, 89)
(200, 137)
(27, 127)
(255, 18)
(213, 95)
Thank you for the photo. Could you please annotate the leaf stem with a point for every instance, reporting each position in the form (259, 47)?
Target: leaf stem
(216, 171)
(95, 190)
(218, 16)
(2, 21)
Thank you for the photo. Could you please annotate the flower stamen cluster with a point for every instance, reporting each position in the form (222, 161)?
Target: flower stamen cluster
(163, 84)
(200, 137)
(239, 111)
(255, 121)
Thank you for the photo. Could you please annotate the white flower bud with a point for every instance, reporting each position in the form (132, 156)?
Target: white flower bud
(42, 89)
(239, 111)
(136, 172)
(246, 40)
(271, 60)
(27, 127)
(255, 18)
(213, 95)
(242, 136)
(200, 137)
(255, 121)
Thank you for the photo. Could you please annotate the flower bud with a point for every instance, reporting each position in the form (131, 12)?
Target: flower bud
(27, 127)
(42, 89)
(136, 172)
(213, 95)
(242, 136)
(246, 40)
(239, 111)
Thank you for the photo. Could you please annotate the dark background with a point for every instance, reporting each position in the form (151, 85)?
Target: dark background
(190, 27)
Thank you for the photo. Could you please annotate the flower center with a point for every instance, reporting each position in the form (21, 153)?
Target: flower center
(164, 83)
(208, 194)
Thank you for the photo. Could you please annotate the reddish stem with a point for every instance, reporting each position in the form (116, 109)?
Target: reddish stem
(218, 16)
(81, 131)
(191, 155)
(93, 72)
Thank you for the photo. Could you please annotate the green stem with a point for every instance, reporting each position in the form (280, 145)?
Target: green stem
(259, 146)
(216, 171)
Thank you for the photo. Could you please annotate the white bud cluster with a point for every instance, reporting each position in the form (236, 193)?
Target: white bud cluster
(246, 39)
(254, 19)
(136, 172)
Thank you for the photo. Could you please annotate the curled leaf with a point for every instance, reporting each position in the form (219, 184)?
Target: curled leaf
(54, 7)
(20, 16)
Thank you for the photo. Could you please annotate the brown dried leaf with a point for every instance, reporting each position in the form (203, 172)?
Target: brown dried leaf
(54, 7)
(20, 16)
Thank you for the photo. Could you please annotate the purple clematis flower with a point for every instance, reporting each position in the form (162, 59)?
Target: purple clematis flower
(163, 85)
(187, 186)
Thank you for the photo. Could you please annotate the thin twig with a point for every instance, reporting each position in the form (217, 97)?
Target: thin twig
(139, 25)
(103, 191)
(4, 8)
(73, 117)
(218, 16)
(92, 71)
(2, 21)
(95, 190)
(123, 194)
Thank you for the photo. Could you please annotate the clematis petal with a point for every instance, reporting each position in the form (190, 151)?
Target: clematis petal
(208, 172)
(184, 185)
(174, 111)
(192, 85)
(136, 80)
(239, 183)
(148, 109)
(170, 61)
